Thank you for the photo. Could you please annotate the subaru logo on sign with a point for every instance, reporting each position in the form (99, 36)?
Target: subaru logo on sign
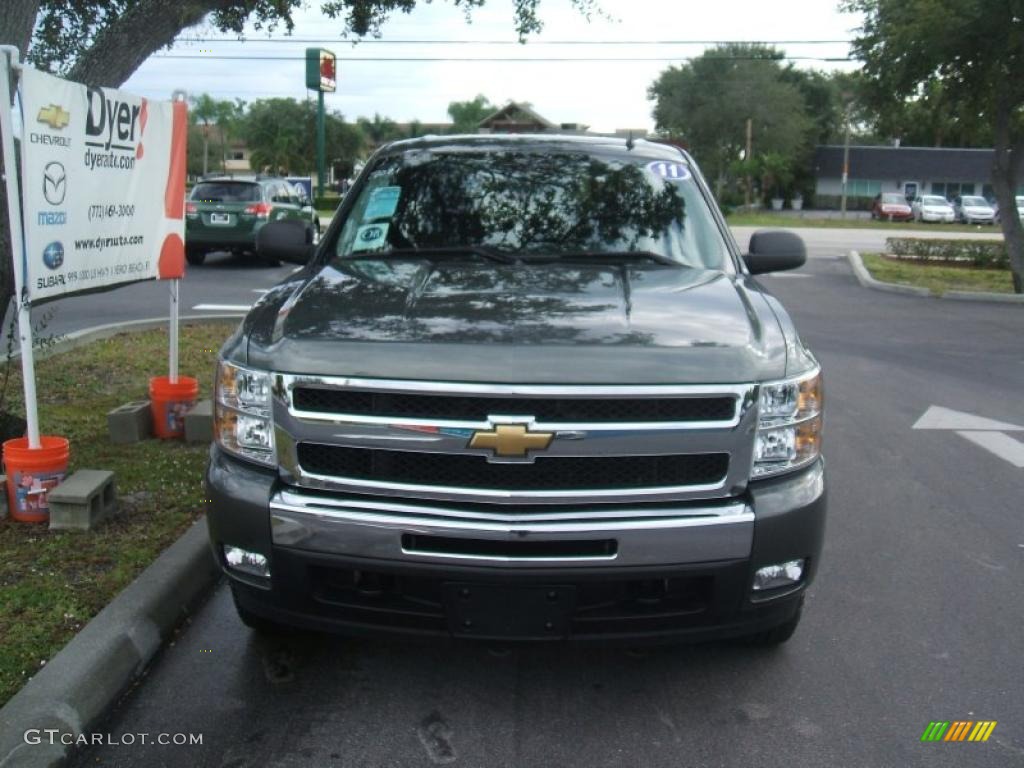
(53, 255)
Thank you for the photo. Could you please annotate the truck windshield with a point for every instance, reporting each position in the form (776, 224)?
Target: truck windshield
(533, 204)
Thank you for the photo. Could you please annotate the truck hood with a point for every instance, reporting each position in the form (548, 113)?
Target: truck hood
(538, 324)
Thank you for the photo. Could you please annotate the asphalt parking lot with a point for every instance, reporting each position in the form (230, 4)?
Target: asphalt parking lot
(915, 616)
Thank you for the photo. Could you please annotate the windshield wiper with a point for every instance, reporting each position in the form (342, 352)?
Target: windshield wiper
(600, 256)
(440, 252)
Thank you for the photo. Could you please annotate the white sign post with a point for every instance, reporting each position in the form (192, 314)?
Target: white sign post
(9, 54)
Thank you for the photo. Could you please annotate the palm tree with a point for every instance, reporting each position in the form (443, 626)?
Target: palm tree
(204, 111)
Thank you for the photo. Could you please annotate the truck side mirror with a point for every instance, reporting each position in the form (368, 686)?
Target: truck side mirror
(285, 240)
(774, 251)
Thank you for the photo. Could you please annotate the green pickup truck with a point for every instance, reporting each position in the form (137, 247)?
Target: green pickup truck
(525, 388)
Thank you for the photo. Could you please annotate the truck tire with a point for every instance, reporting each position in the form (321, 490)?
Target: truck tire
(777, 635)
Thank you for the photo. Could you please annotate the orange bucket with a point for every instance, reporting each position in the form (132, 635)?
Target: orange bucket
(170, 402)
(31, 473)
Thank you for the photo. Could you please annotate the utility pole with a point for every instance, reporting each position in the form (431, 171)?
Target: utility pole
(320, 144)
(846, 158)
(747, 157)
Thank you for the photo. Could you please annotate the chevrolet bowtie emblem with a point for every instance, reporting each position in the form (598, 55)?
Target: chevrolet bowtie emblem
(511, 440)
(54, 116)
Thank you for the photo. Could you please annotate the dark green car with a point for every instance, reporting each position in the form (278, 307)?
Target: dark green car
(224, 214)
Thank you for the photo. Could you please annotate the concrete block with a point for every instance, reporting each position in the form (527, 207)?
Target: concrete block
(82, 500)
(130, 422)
(199, 423)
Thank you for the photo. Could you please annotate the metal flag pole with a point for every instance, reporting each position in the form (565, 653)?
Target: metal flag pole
(28, 368)
(174, 331)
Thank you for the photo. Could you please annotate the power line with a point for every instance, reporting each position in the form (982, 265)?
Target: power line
(542, 59)
(374, 41)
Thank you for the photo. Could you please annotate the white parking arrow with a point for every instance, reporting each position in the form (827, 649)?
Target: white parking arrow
(987, 433)
(937, 417)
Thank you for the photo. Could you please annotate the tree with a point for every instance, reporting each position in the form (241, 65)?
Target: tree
(415, 130)
(706, 103)
(466, 115)
(380, 130)
(932, 119)
(102, 42)
(281, 135)
(973, 50)
(228, 115)
(277, 134)
(204, 112)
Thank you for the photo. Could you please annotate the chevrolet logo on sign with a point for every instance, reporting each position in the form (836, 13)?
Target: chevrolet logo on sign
(511, 440)
(54, 116)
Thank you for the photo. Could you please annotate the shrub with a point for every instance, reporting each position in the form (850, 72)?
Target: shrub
(990, 254)
(327, 202)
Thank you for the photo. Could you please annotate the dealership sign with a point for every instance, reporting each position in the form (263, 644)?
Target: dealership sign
(103, 174)
(321, 70)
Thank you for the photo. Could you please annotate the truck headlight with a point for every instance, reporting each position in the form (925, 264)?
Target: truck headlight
(789, 424)
(243, 424)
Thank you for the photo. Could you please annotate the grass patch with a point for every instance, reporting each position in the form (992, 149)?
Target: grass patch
(739, 219)
(938, 278)
(52, 583)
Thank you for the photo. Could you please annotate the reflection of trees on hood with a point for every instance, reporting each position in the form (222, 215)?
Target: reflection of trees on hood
(417, 301)
(528, 202)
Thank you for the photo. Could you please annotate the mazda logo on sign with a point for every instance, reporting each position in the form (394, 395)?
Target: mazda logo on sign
(54, 183)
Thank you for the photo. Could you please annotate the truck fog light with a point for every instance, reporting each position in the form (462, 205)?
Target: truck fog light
(780, 575)
(776, 445)
(252, 563)
(254, 432)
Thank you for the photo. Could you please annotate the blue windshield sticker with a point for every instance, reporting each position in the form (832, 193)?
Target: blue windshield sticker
(382, 204)
(667, 170)
(371, 237)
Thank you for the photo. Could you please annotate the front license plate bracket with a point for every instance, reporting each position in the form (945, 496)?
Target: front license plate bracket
(496, 612)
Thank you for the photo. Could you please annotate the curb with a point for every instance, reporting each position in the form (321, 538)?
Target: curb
(76, 688)
(865, 279)
(77, 339)
(1005, 298)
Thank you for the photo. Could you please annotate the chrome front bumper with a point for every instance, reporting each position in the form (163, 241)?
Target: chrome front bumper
(401, 532)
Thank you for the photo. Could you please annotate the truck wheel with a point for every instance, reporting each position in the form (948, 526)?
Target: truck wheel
(769, 638)
(195, 257)
(257, 623)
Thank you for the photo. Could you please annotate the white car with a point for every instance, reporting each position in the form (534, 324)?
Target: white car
(933, 208)
(1020, 208)
(972, 209)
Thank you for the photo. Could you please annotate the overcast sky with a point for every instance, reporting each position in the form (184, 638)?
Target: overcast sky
(603, 94)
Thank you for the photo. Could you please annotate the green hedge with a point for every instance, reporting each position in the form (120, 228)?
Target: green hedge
(327, 202)
(990, 254)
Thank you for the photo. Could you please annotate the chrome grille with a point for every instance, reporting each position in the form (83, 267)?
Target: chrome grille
(473, 408)
(608, 444)
(545, 473)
